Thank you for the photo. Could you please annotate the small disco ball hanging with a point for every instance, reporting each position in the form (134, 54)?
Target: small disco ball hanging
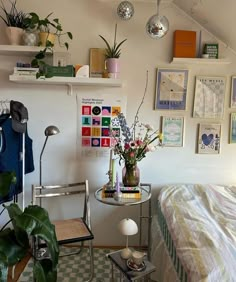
(157, 26)
(125, 10)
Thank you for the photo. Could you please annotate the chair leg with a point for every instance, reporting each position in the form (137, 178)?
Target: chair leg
(91, 261)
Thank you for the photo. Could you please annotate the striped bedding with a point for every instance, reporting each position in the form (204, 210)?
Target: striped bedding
(198, 225)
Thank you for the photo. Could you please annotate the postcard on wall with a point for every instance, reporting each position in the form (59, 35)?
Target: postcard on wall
(171, 89)
(209, 97)
(172, 130)
(209, 138)
(232, 131)
(233, 92)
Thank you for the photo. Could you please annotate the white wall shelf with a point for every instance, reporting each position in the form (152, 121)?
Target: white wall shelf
(16, 50)
(68, 81)
(199, 61)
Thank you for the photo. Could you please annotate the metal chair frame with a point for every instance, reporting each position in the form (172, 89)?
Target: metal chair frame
(45, 192)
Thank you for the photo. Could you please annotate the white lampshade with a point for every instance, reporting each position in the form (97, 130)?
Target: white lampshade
(128, 227)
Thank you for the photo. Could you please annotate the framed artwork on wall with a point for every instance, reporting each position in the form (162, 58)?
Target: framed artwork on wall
(233, 92)
(209, 97)
(97, 62)
(232, 130)
(171, 89)
(209, 138)
(172, 130)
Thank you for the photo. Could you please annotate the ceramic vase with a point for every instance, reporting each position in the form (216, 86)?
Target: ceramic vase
(130, 175)
(30, 38)
(45, 36)
(14, 35)
(113, 67)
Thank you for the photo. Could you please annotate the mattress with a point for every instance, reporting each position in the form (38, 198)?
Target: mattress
(196, 226)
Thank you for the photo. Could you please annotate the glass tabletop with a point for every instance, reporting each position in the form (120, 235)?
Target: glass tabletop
(145, 196)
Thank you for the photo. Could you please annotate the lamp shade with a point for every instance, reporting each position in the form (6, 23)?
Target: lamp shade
(128, 227)
(51, 130)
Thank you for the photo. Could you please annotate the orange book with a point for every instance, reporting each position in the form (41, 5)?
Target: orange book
(184, 44)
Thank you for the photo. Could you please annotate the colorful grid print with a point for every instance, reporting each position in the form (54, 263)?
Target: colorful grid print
(96, 121)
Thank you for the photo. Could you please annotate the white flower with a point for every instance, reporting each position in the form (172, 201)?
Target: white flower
(151, 148)
(149, 127)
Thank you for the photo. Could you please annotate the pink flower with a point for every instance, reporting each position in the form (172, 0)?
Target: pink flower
(127, 146)
(132, 154)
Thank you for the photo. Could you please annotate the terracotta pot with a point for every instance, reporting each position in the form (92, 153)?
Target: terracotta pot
(113, 67)
(14, 35)
(44, 36)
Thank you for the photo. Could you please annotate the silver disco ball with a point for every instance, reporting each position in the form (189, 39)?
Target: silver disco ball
(157, 26)
(125, 10)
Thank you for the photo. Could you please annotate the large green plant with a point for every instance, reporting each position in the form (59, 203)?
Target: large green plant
(14, 242)
(113, 51)
(13, 17)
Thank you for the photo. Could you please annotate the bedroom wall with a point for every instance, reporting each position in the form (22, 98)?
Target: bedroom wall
(86, 19)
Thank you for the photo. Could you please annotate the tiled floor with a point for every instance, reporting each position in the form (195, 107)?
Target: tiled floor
(76, 268)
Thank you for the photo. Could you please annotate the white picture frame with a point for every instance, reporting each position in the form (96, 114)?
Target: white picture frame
(61, 59)
(172, 131)
(209, 97)
(233, 92)
(209, 138)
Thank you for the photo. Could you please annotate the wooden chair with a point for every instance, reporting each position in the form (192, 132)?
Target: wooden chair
(70, 230)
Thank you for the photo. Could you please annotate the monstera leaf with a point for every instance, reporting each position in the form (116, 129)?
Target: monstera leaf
(14, 244)
(6, 179)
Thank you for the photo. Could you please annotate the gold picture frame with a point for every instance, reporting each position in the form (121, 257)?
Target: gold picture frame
(97, 62)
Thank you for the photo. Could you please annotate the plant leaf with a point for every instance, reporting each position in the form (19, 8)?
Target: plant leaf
(6, 179)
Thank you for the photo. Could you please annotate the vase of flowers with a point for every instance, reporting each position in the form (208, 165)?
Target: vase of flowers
(132, 147)
(130, 175)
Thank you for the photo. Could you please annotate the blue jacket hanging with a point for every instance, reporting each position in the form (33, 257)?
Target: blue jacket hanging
(10, 155)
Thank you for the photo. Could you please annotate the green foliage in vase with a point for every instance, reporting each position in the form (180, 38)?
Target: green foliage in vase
(13, 17)
(50, 26)
(113, 51)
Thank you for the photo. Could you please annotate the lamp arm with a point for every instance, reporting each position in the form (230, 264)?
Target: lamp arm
(40, 161)
(127, 242)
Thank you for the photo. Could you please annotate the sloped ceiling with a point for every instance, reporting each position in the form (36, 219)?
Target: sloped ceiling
(216, 16)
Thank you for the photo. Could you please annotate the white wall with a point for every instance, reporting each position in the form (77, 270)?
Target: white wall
(86, 19)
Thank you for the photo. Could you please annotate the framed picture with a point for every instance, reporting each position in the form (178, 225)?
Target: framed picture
(171, 89)
(97, 62)
(61, 59)
(209, 97)
(172, 130)
(232, 130)
(233, 92)
(209, 138)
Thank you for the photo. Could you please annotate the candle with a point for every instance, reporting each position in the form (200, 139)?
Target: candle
(110, 163)
(117, 183)
(113, 172)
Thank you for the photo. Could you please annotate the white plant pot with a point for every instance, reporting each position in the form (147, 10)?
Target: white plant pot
(30, 38)
(14, 35)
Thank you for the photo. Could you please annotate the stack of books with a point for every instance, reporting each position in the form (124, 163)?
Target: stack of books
(127, 192)
(25, 72)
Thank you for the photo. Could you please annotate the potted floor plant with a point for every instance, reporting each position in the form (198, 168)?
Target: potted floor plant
(15, 241)
(112, 55)
(14, 20)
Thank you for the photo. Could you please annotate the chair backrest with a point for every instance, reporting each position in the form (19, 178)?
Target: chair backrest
(45, 192)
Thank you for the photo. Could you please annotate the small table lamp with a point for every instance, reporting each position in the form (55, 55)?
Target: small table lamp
(127, 227)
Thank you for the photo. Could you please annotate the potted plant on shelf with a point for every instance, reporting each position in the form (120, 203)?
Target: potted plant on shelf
(49, 30)
(15, 241)
(14, 21)
(112, 55)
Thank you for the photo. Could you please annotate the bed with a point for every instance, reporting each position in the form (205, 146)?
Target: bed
(194, 233)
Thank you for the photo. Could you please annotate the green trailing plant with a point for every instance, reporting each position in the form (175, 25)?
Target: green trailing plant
(113, 51)
(15, 241)
(50, 26)
(13, 17)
